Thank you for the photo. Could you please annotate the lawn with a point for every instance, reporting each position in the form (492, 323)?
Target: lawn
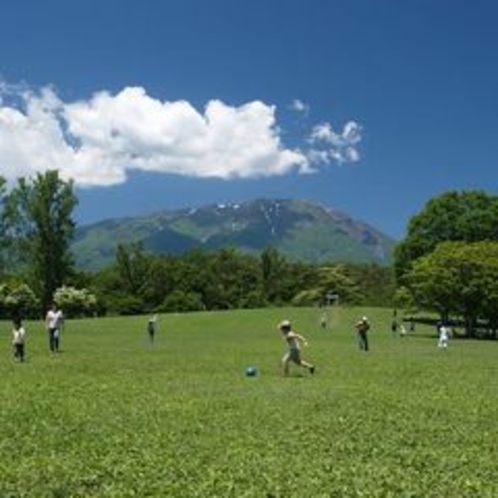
(114, 416)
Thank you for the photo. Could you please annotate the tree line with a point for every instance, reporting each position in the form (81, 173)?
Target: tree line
(227, 279)
(447, 263)
(37, 267)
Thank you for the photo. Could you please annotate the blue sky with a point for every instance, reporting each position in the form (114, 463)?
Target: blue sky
(371, 107)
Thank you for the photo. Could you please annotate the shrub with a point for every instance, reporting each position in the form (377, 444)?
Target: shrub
(76, 302)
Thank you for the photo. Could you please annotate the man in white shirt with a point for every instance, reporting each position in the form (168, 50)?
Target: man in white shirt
(53, 322)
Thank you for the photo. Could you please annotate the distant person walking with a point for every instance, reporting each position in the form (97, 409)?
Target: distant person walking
(151, 328)
(19, 340)
(394, 323)
(324, 319)
(293, 354)
(53, 322)
(362, 328)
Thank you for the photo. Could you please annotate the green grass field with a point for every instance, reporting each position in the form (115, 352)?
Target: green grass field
(112, 416)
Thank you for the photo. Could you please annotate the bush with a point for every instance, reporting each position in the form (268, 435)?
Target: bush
(20, 302)
(124, 305)
(182, 301)
(76, 302)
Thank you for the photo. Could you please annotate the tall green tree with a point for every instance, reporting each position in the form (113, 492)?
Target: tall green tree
(376, 283)
(468, 216)
(274, 272)
(39, 214)
(161, 280)
(237, 279)
(193, 275)
(133, 266)
(329, 280)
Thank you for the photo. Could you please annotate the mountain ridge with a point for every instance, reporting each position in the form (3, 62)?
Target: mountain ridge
(302, 230)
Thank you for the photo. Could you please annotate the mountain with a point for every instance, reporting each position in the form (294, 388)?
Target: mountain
(302, 230)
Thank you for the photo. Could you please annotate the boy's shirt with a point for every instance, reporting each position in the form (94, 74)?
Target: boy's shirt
(19, 336)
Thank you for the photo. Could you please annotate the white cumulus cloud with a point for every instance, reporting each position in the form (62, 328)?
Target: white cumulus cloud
(328, 145)
(96, 142)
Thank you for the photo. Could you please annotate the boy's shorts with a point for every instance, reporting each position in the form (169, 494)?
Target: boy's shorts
(294, 355)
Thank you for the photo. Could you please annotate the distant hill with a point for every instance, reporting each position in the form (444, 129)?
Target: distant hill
(302, 230)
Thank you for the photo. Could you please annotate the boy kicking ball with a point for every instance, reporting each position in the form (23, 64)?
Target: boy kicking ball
(293, 354)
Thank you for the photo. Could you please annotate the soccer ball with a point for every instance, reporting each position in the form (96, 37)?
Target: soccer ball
(251, 371)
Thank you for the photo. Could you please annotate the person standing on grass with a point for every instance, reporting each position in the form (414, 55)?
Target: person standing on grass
(402, 330)
(293, 340)
(324, 320)
(444, 336)
(53, 322)
(362, 328)
(151, 328)
(18, 340)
